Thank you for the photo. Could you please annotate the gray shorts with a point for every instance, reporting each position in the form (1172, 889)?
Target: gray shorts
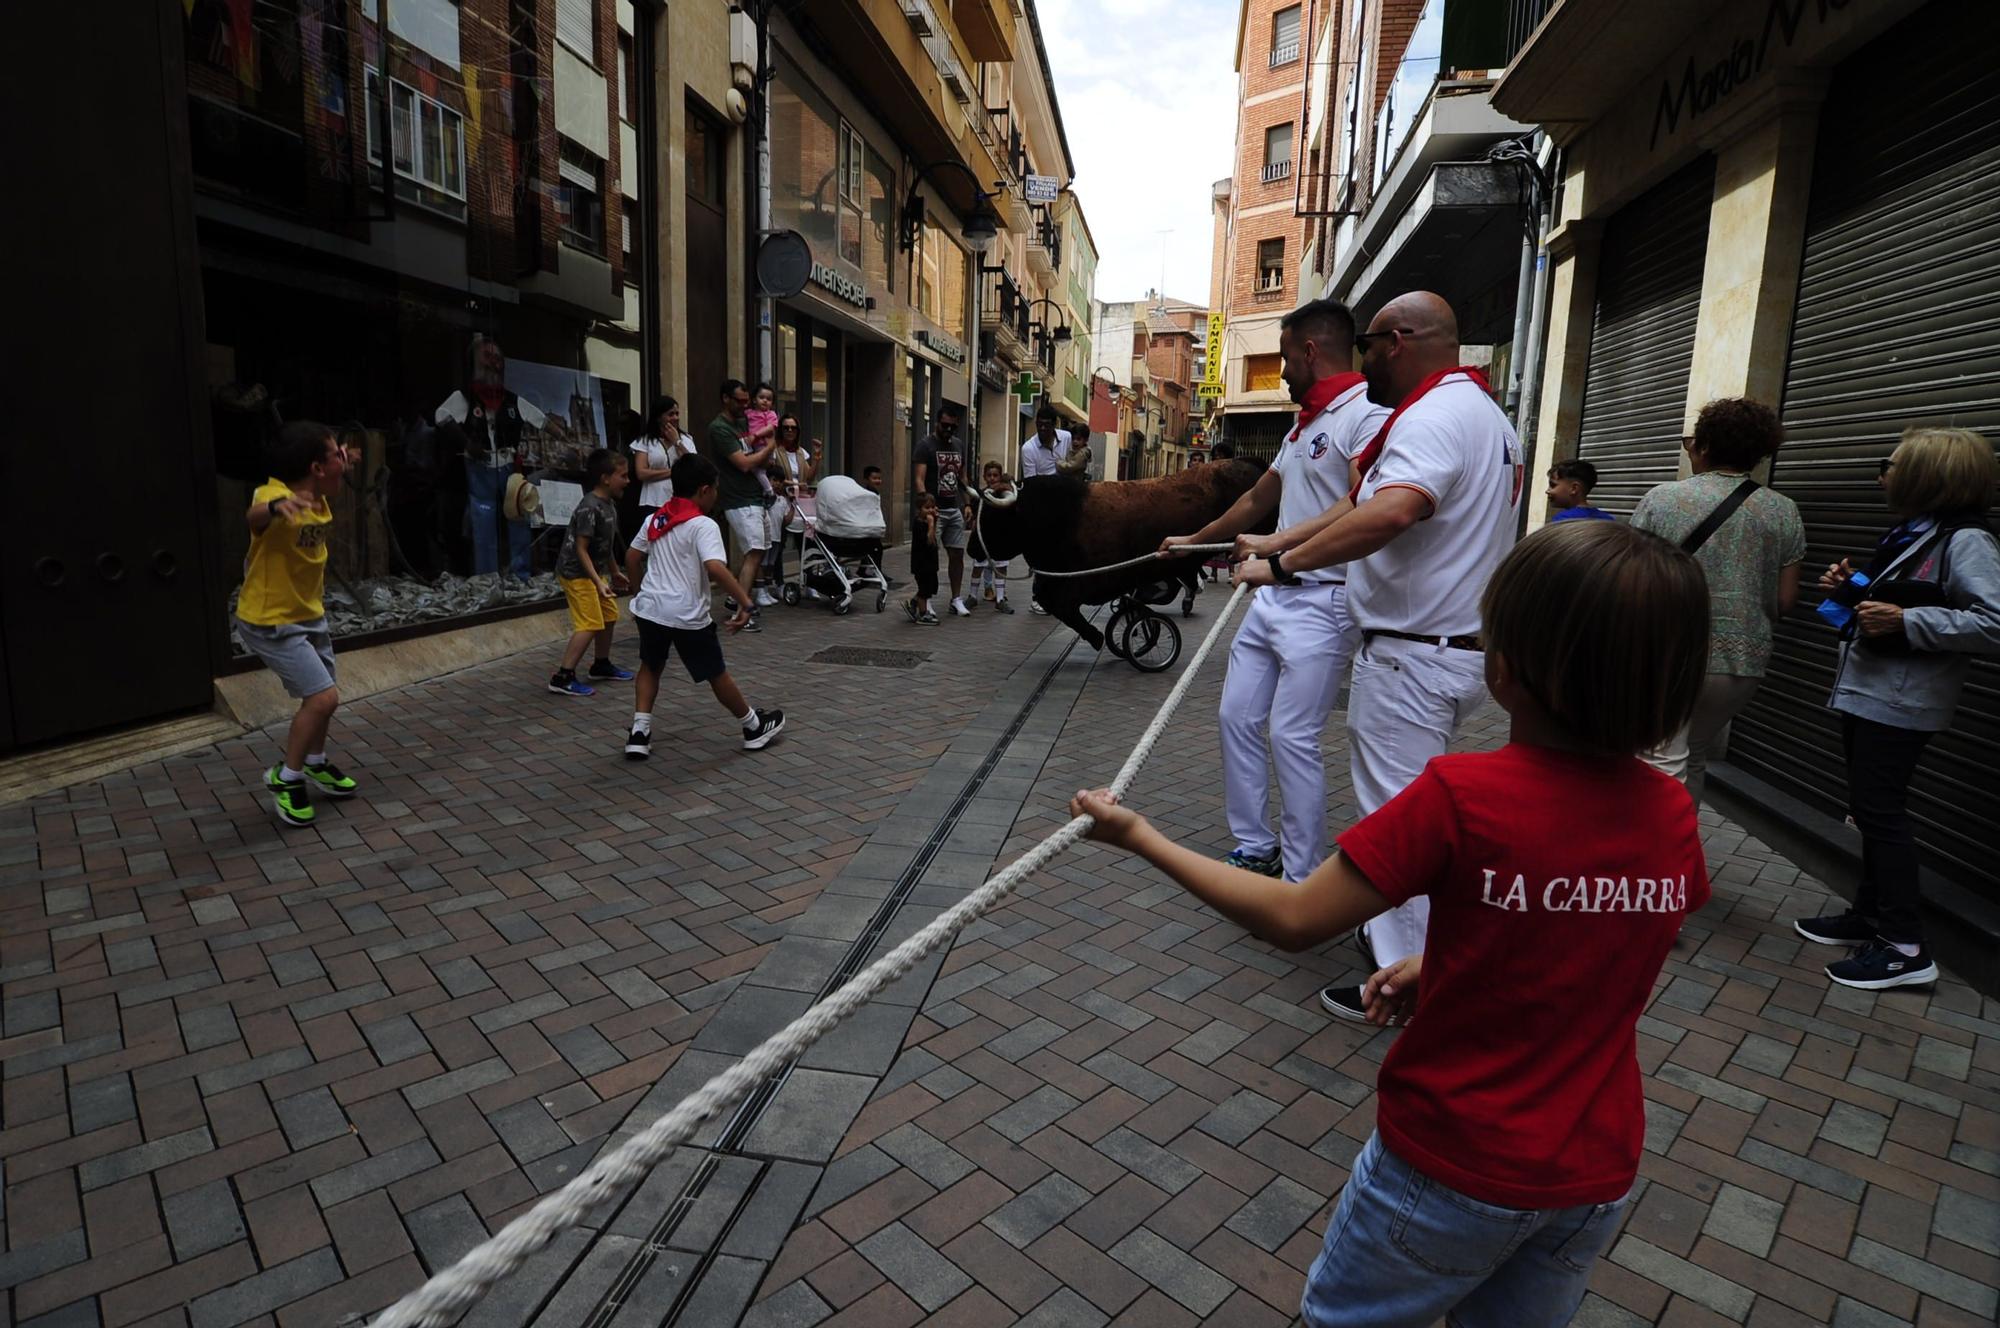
(951, 527)
(301, 654)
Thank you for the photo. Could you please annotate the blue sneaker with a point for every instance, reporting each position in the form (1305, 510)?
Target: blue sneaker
(605, 671)
(564, 683)
(1263, 865)
(1878, 965)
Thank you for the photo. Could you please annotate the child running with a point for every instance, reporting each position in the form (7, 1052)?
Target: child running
(280, 615)
(590, 578)
(672, 560)
(1559, 868)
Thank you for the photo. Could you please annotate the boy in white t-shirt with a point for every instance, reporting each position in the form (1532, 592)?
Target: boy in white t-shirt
(674, 557)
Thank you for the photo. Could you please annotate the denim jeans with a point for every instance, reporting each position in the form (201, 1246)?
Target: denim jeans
(486, 486)
(1403, 1251)
(1881, 760)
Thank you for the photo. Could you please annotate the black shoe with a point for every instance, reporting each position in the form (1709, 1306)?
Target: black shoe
(605, 671)
(1848, 928)
(770, 723)
(1367, 950)
(1878, 965)
(1344, 1003)
(639, 746)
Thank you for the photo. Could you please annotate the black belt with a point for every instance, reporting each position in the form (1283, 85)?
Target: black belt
(1449, 642)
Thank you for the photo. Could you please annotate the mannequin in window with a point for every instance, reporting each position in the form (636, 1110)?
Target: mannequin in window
(488, 420)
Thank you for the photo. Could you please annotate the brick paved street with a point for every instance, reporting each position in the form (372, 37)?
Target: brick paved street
(253, 1077)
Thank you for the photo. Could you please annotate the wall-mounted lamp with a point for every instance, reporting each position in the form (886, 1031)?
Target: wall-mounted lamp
(981, 224)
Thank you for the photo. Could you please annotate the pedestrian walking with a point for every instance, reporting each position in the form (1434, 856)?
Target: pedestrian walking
(741, 496)
(1292, 652)
(673, 560)
(938, 471)
(1911, 623)
(587, 570)
(1440, 484)
(1510, 1114)
(1749, 541)
(281, 610)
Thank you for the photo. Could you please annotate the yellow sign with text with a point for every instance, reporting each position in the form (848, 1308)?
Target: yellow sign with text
(1212, 371)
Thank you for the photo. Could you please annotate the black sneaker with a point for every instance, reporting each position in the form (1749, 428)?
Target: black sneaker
(639, 746)
(770, 723)
(1367, 950)
(1344, 1003)
(605, 671)
(1878, 965)
(755, 624)
(1848, 928)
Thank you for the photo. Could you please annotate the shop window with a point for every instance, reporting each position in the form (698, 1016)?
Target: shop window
(581, 198)
(1263, 373)
(878, 217)
(941, 279)
(809, 168)
(852, 193)
(576, 27)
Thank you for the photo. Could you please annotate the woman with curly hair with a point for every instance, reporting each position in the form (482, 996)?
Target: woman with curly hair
(1751, 558)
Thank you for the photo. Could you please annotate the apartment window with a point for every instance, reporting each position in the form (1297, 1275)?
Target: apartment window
(576, 27)
(427, 137)
(1284, 36)
(628, 80)
(581, 197)
(1278, 152)
(627, 209)
(1271, 264)
(1263, 373)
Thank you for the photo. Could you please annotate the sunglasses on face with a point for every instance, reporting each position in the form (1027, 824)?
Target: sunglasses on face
(1363, 340)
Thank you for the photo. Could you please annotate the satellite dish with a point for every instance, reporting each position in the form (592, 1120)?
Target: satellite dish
(784, 262)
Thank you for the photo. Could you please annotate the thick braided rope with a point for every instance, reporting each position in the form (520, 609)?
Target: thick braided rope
(450, 1292)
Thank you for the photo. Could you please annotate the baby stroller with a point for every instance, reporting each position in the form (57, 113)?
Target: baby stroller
(842, 549)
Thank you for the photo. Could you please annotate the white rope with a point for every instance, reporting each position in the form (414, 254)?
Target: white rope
(1179, 549)
(452, 1291)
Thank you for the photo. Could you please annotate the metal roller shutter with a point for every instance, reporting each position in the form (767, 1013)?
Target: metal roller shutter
(1898, 323)
(1642, 337)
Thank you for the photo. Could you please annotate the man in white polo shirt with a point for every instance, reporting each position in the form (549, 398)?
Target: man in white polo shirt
(1044, 453)
(1434, 513)
(1292, 651)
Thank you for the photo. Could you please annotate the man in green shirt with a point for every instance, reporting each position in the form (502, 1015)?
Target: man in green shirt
(739, 497)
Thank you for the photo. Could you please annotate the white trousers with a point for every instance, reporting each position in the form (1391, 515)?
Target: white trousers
(1403, 708)
(1285, 669)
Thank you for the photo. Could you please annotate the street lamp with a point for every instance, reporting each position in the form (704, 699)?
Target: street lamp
(981, 224)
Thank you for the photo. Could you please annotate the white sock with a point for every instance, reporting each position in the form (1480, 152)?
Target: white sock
(642, 722)
(751, 720)
(1907, 951)
(317, 758)
(289, 775)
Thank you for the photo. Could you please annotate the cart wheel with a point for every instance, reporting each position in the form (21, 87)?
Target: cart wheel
(791, 595)
(881, 600)
(1115, 630)
(843, 606)
(1152, 643)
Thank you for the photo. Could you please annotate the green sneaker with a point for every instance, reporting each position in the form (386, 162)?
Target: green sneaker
(328, 780)
(293, 801)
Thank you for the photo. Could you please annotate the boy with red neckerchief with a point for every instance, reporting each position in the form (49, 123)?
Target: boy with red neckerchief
(673, 558)
(1510, 1115)
(1291, 654)
(1433, 511)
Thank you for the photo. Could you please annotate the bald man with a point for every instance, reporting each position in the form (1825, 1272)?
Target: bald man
(1434, 510)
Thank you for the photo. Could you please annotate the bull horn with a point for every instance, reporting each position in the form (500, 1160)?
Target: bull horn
(995, 500)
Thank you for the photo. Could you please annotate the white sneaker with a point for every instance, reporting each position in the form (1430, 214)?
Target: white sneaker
(1036, 608)
(959, 610)
(764, 598)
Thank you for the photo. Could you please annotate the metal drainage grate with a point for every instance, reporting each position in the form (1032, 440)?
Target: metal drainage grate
(870, 658)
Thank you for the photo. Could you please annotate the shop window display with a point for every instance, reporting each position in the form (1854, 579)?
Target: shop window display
(384, 216)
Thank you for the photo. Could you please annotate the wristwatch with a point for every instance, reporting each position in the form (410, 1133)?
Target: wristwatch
(271, 509)
(1278, 572)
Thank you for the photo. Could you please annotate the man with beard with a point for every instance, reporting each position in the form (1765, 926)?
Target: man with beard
(483, 422)
(1432, 514)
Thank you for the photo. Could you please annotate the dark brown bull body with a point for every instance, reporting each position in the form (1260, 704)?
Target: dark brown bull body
(1062, 523)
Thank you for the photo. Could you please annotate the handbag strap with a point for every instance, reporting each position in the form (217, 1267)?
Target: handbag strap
(1723, 510)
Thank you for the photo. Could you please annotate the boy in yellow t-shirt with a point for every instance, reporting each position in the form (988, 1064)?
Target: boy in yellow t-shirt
(279, 614)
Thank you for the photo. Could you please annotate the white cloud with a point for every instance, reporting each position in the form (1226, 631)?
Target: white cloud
(1148, 100)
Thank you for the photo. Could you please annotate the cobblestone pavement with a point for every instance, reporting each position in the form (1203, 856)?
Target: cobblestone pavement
(263, 1077)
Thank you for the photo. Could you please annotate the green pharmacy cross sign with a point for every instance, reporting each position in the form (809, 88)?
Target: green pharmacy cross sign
(1027, 387)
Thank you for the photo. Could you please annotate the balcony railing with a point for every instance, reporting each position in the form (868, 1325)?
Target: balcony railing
(1422, 61)
(1523, 17)
(1277, 170)
(1049, 236)
(1003, 306)
(1284, 55)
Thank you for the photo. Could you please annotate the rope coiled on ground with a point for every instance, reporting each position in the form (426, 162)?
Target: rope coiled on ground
(454, 1290)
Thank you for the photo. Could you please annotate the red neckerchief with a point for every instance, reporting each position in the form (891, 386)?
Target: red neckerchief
(1373, 452)
(490, 395)
(1319, 396)
(674, 512)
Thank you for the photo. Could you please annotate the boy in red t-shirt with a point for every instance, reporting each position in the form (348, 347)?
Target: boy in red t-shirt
(1510, 1115)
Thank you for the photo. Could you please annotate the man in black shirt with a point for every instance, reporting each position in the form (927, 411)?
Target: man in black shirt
(939, 470)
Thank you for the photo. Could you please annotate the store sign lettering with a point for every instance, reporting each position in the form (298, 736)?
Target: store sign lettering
(944, 347)
(1701, 90)
(840, 285)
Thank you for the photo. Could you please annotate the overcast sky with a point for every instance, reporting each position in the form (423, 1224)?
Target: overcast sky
(1149, 103)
